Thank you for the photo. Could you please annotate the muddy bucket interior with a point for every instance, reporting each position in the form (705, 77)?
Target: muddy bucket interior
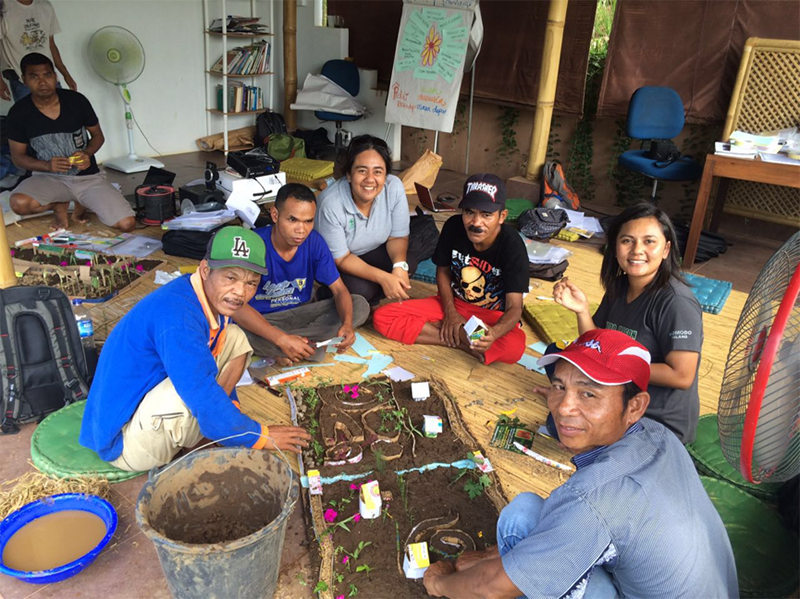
(218, 518)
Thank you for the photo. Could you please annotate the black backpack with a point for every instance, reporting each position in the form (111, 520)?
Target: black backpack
(42, 361)
(268, 123)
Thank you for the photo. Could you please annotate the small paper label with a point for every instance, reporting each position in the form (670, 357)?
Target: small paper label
(418, 555)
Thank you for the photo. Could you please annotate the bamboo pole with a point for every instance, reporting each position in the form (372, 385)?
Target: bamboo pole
(548, 78)
(7, 276)
(290, 62)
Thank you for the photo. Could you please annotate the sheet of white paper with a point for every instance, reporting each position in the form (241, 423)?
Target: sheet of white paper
(246, 379)
(590, 223)
(399, 374)
(244, 207)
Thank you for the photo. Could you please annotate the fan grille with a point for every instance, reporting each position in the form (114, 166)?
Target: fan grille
(774, 443)
(116, 55)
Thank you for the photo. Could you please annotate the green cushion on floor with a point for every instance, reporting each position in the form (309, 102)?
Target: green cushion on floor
(515, 207)
(766, 553)
(55, 449)
(709, 460)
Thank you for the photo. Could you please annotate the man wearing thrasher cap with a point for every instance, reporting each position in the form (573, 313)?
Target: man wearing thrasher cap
(481, 271)
(632, 521)
(167, 373)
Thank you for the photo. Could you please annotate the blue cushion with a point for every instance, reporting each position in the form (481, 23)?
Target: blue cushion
(655, 113)
(711, 293)
(684, 169)
(426, 272)
(335, 116)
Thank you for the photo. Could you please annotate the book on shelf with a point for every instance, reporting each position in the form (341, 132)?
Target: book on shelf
(246, 60)
(241, 97)
(236, 24)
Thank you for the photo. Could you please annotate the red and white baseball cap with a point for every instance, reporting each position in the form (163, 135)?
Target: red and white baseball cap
(607, 357)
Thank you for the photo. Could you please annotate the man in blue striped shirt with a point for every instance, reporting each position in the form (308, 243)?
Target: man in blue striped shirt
(634, 519)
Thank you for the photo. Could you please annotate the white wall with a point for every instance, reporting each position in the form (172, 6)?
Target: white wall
(316, 45)
(167, 97)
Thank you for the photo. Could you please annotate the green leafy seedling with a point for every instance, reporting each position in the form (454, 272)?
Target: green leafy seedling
(321, 587)
(353, 590)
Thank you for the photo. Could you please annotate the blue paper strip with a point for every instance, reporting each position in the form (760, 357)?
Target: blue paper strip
(363, 347)
(529, 362)
(539, 347)
(376, 364)
(315, 365)
(351, 359)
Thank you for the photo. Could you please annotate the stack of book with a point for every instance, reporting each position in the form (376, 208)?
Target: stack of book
(246, 60)
(241, 97)
(235, 24)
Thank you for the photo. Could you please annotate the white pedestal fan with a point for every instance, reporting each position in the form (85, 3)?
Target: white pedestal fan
(118, 57)
(759, 406)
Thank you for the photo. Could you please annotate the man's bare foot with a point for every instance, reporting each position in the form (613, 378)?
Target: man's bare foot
(60, 216)
(78, 214)
(283, 361)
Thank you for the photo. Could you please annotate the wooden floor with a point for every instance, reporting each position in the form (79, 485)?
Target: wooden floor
(482, 392)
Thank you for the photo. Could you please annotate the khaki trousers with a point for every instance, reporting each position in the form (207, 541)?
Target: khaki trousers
(162, 424)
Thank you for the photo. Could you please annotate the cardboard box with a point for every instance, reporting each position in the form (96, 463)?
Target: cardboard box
(475, 328)
(416, 560)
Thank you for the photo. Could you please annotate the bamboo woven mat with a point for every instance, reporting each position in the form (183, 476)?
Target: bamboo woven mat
(482, 392)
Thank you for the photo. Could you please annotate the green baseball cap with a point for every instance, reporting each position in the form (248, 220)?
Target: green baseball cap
(237, 247)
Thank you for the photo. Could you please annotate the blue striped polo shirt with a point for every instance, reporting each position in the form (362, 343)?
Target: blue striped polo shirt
(638, 509)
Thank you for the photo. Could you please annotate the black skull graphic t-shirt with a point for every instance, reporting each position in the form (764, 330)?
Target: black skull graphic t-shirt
(483, 278)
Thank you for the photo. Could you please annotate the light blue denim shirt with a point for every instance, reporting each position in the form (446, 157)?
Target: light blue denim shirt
(637, 509)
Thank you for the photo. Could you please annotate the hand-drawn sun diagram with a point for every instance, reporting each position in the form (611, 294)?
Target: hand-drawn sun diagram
(433, 44)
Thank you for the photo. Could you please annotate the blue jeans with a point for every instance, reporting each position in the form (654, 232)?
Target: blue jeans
(520, 518)
(19, 90)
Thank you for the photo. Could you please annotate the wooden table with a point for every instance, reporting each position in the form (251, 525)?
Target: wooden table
(732, 168)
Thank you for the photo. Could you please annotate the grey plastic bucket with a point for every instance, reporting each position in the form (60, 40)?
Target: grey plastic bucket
(189, 497)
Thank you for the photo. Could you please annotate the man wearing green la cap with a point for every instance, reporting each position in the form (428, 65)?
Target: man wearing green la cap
(168, 371)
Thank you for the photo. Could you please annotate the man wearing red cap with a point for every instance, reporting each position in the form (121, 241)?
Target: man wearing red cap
(634, 519)
(481, 272)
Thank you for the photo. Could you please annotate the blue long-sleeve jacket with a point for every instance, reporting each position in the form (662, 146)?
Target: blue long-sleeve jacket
(166, 335)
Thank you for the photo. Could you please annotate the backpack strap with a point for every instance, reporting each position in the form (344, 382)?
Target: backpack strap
(74, 386)
(8, 376)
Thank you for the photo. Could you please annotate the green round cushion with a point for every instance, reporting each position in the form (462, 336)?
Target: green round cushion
(55, 449)
(709, 460)
(766, 553)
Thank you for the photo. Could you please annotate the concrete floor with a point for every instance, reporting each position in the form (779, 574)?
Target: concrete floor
(129, 567)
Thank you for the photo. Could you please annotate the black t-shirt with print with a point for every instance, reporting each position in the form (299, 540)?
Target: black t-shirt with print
(46, 137)
(483, 278)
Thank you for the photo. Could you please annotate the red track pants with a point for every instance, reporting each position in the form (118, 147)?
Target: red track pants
(403, 321)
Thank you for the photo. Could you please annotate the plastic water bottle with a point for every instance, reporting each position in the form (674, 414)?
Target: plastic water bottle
(85, 325)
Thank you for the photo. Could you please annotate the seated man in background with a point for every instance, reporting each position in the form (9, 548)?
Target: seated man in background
(633, 521)
(281, 321)
(481, 270)
(55, 134)
(168, 371)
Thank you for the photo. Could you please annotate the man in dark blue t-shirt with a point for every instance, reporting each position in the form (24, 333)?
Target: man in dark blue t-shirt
(54, 133)
(281, 321)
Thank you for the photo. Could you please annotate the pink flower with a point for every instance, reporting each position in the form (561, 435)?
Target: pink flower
(89, 263)
(139, 267)
(345, 559)
(357, 517)
(62, 264)
(340, 597)
(330, 515)
(12, 252)
(353, 487)
(123, 267)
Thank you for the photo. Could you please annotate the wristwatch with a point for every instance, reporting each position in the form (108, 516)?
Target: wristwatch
(403, 265)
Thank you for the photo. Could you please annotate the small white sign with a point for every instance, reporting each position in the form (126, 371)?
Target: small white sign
(420, 391)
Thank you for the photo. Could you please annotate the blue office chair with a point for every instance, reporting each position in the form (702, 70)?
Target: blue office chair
(345, 74)
(656, 113)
